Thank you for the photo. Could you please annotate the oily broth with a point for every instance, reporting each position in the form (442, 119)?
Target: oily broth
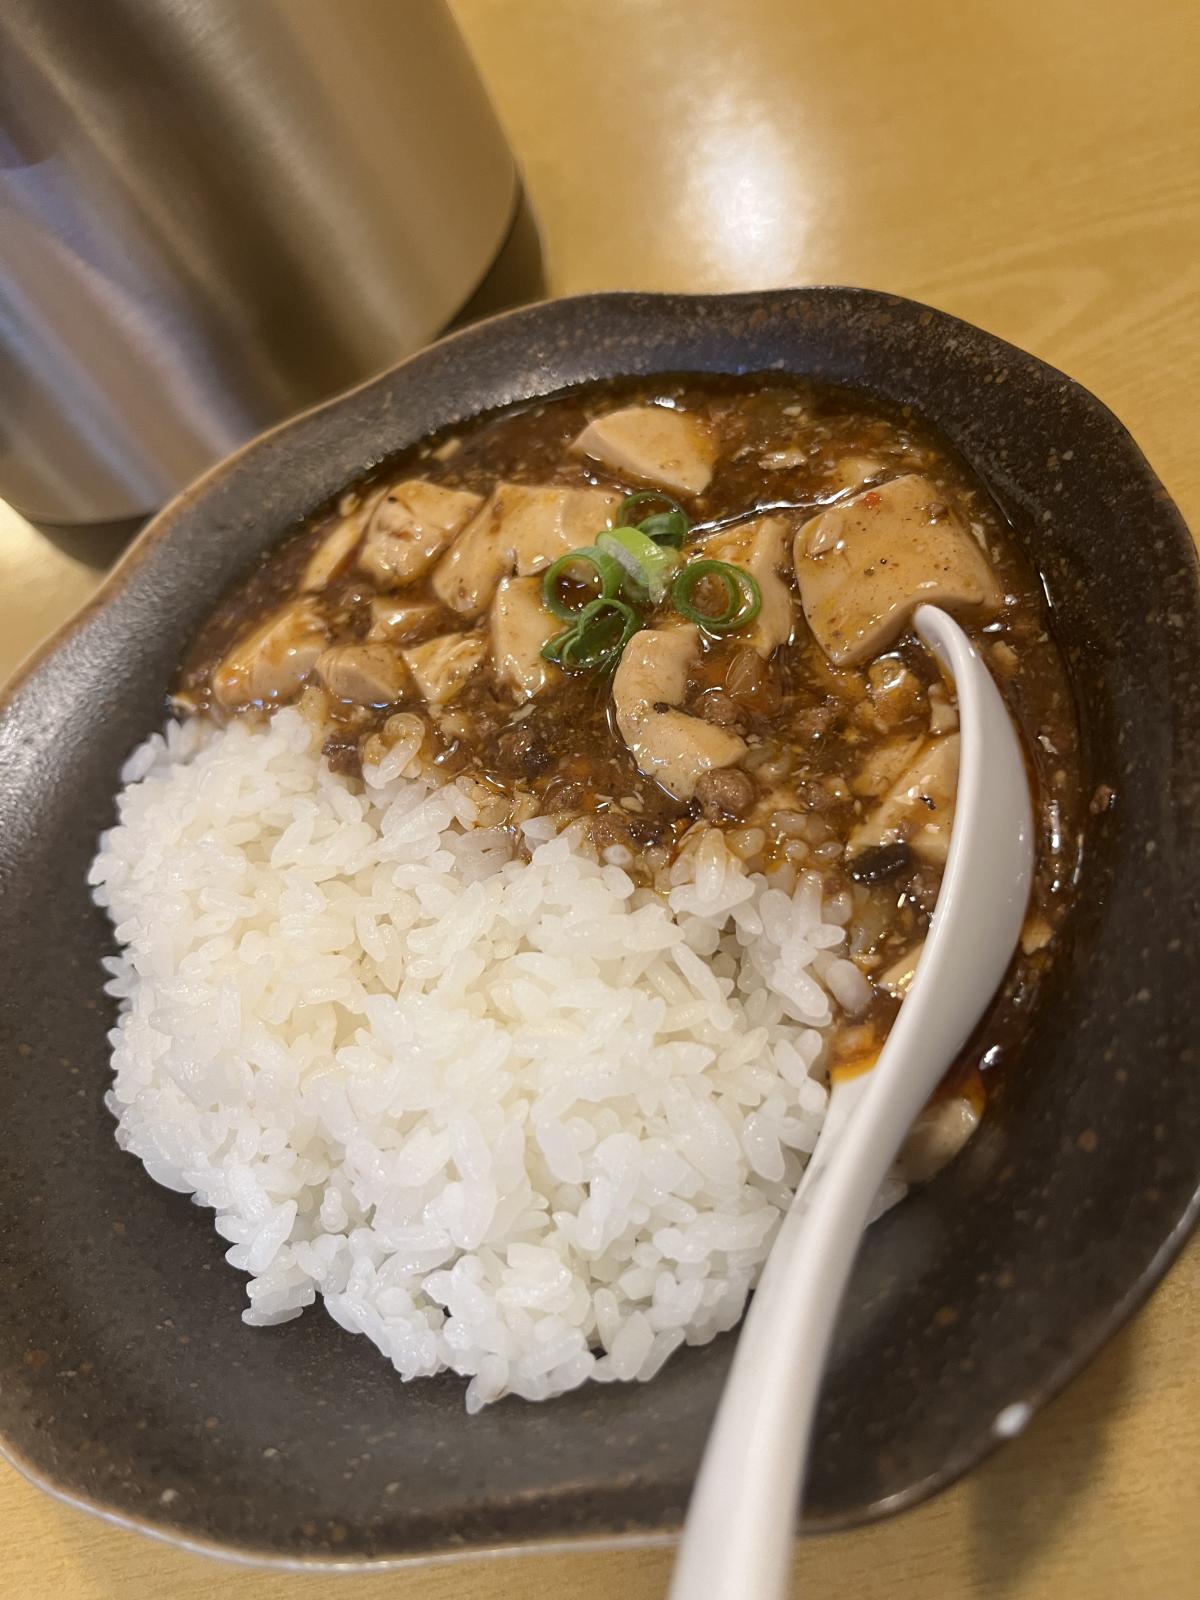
(809, 725)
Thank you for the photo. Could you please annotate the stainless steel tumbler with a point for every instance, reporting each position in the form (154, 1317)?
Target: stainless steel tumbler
(212, 214)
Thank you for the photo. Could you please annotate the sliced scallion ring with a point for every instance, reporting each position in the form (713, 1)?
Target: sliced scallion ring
(667, 528)
(743, 597)
(606, 572)
(553, 648)
(648, 567)
(600, 633)
(668, 525)
(604, 628)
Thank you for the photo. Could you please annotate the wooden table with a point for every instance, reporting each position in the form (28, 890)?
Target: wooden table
(1034, 166)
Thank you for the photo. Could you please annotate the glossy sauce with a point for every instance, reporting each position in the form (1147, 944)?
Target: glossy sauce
(813, 729)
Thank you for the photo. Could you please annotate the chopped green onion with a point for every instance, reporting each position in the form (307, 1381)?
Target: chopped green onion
(645, 497)
(553, 648)
(743, 597)
(667, 526)
(600, 632)
(648, 566)
(608, 574)
(604, 628)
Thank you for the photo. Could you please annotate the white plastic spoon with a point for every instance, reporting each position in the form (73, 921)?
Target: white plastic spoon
(737, 1539)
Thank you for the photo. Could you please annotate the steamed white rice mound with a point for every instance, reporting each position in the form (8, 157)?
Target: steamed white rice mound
(512, 1117)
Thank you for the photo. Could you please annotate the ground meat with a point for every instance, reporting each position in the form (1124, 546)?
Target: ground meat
(725, 794)
(343, 755)
(519, 752)
(716, 706)
(885, 862)
(812, 795)
(812, 722)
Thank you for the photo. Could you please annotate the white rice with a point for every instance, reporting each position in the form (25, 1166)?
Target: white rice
(515, 1118)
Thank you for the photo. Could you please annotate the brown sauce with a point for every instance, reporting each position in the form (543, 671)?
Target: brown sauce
(811, 728)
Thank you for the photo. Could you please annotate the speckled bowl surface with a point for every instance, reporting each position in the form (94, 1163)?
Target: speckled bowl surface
(127, 1380)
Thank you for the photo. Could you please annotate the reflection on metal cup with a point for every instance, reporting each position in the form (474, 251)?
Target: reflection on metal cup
(212, 216)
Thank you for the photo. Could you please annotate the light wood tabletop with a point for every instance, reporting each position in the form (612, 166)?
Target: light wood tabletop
(1033, 166)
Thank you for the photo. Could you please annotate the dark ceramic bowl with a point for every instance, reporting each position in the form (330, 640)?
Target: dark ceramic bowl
(128, 1382)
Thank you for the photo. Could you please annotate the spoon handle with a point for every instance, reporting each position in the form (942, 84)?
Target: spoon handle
(737, 1539)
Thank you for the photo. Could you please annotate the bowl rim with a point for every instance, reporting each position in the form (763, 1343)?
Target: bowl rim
(159, 527)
